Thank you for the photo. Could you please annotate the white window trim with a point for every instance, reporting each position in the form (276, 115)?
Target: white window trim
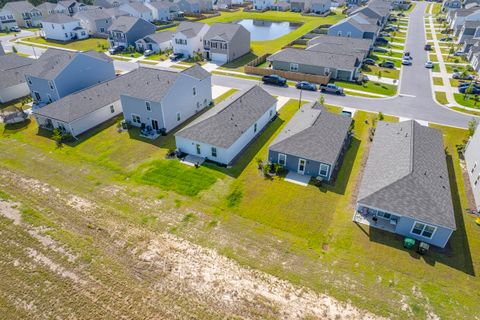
(424, 225)
(279, 162)
(291, 66)
(178, 117)
(148, 106)
(304, 166)
(320, 170)
(216, 152)
(136, 115)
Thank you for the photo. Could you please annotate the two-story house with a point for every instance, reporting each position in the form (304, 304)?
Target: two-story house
(138, 10)
(163, 10)
(49, 8)
(125, 30)
(356, 26)
(62, 27)
(188, 38)
(164, 99)
(195, 6)
(24, 13)
(321, 6)
(262, 5)
(7, 20)
(472, 160)
(96, 21)
(73, 6)
(225, 42)
(300, 5)
(12, 80)
(58, 73)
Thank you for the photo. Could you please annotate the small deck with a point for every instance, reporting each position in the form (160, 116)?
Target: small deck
(369, 220)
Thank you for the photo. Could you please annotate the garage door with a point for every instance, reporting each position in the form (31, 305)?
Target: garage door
(343, 75)
(219, 57)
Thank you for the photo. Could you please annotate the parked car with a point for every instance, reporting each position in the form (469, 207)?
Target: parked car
(384, 34)
(392, 19)
(15, 29)
(429, 64)
(459, 75)
(381, 40)
(148, 52)
(475, 90)
(390, 27)
(369, 62)
(331, 88)
(387, 64)
(378, 49)
(428, 47)
(406, 62)
(401, 14)
(460, 54)
(305, 85)
(446, 39)
(274, 79)
(176, 56)
(116, 49)
(466, 84)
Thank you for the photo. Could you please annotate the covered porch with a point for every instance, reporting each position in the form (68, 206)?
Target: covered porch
(376, 218)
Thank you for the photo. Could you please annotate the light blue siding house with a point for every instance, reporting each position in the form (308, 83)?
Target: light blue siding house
(356, 26)
(312, 143)
(405, 187)
(58, 73)
(472, 160)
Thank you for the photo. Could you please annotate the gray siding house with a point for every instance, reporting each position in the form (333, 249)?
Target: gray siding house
(472, 159)
(225, 42)
(339, 66)
(194, 6)
(162, 100)
(300, 5)
(405, 187)
(12, 80)
(221, 133)
(312, 143)
(125, 30)
(320, 6)
(96, 21)
(159, 41)
(58, 73)
(345, 45)
(356, 26)
(24, 13)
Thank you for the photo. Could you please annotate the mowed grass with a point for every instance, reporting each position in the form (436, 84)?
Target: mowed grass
(441, 97)
(384, 72)
(438, 81)
(370, 87)
(96, 44)
(467, 101)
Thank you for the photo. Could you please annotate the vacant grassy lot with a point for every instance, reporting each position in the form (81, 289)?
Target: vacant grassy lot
(96, 44)
(302, 234)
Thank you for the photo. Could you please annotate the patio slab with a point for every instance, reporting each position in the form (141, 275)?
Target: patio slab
(217, 91)
(191, 160)
(296, 178)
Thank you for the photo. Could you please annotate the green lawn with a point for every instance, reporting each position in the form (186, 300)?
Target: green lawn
(456, 68)
(437, 7)
(437, 81)
(433, 57)
(468, 101)
(19, 103)
(474, 113)
(385, 72)
(96, 44)
(129, 55)
(371, 87)
(441, 97)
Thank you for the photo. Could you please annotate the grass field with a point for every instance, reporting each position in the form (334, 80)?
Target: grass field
(438, 81)
(371, 87)
(441, 97)
(96, 44)
(385, 72)
(468, 101)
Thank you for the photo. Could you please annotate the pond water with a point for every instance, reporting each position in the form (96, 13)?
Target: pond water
(262, 30)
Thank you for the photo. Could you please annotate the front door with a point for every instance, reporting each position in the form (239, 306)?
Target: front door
(301, 166)
(154, 124)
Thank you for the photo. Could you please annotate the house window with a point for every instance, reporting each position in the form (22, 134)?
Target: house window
(37, 95)
(49, 98)
(61, 127)
(53, 26)
(63, 27)
(270, 112)
(112, 109)
(135, 118)
(255, 128)
(339, 33)
(423, 230)
(197, 147)
(293, 66)
(474, 166)
(326, 71)
(147, 105)
(282, 159)
(214, 152)
(349, 34)
(178, 116)
(324, 170)
(476, 181)
(50, 84)
(29, 81)
(194, 91)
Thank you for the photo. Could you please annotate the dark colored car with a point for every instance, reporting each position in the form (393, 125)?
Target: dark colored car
(393, 19)
(475, 90)
(369, 62)
(446, 39)
(381, 40)
(176, 56)
(428, 47)
(466, 84)
(116, 49)
(387, 64)
(274, 79)
(305, 85)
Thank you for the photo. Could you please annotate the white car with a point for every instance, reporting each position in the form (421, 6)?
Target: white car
(429, 64)
(147, 53)
(406, 62)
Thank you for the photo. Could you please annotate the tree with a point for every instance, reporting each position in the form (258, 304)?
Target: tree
(472, 126)
(380, 116)
(468, 90)
(57, 137)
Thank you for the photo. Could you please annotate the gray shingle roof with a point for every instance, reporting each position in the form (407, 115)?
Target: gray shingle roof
(190, 29)
(47, 6)
(2, 51)
(346, 42)
(313, 133)
(314, 58)
(59, 18)
(13, 69)
(363, 22)
(158, 37)
(197, 72)
(125, 23)
(162, 4)
(222, 125)
(94, 14)
(146, 83)
(53, 61)
(139, 7)
(115, 12)
(406, 173)
(20, 6)
(226, 31)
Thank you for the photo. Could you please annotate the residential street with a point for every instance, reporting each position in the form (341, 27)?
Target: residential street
(414, 101)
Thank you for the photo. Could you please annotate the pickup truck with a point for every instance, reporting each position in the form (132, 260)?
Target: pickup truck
(331, 88)
(274, 79)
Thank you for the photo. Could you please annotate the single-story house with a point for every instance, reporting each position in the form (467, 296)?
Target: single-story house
(345, 45)
(405, 187)
(312, 143)
(162, 100)
(225, 42)
(125, 30)
(188, 38)
(221, 133)
(339, 66)
(62, 27)
(472, 160)
(96, 21)
(356, 26)
(12, 80)
(157, 42)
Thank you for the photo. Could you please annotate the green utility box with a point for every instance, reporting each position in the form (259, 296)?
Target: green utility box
(408, 243)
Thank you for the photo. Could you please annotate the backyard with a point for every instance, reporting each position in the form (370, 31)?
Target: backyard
(96, 44)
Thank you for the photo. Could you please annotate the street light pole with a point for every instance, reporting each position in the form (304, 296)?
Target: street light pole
(300, 100)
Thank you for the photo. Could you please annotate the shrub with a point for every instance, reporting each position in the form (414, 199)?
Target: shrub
(266, 170)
